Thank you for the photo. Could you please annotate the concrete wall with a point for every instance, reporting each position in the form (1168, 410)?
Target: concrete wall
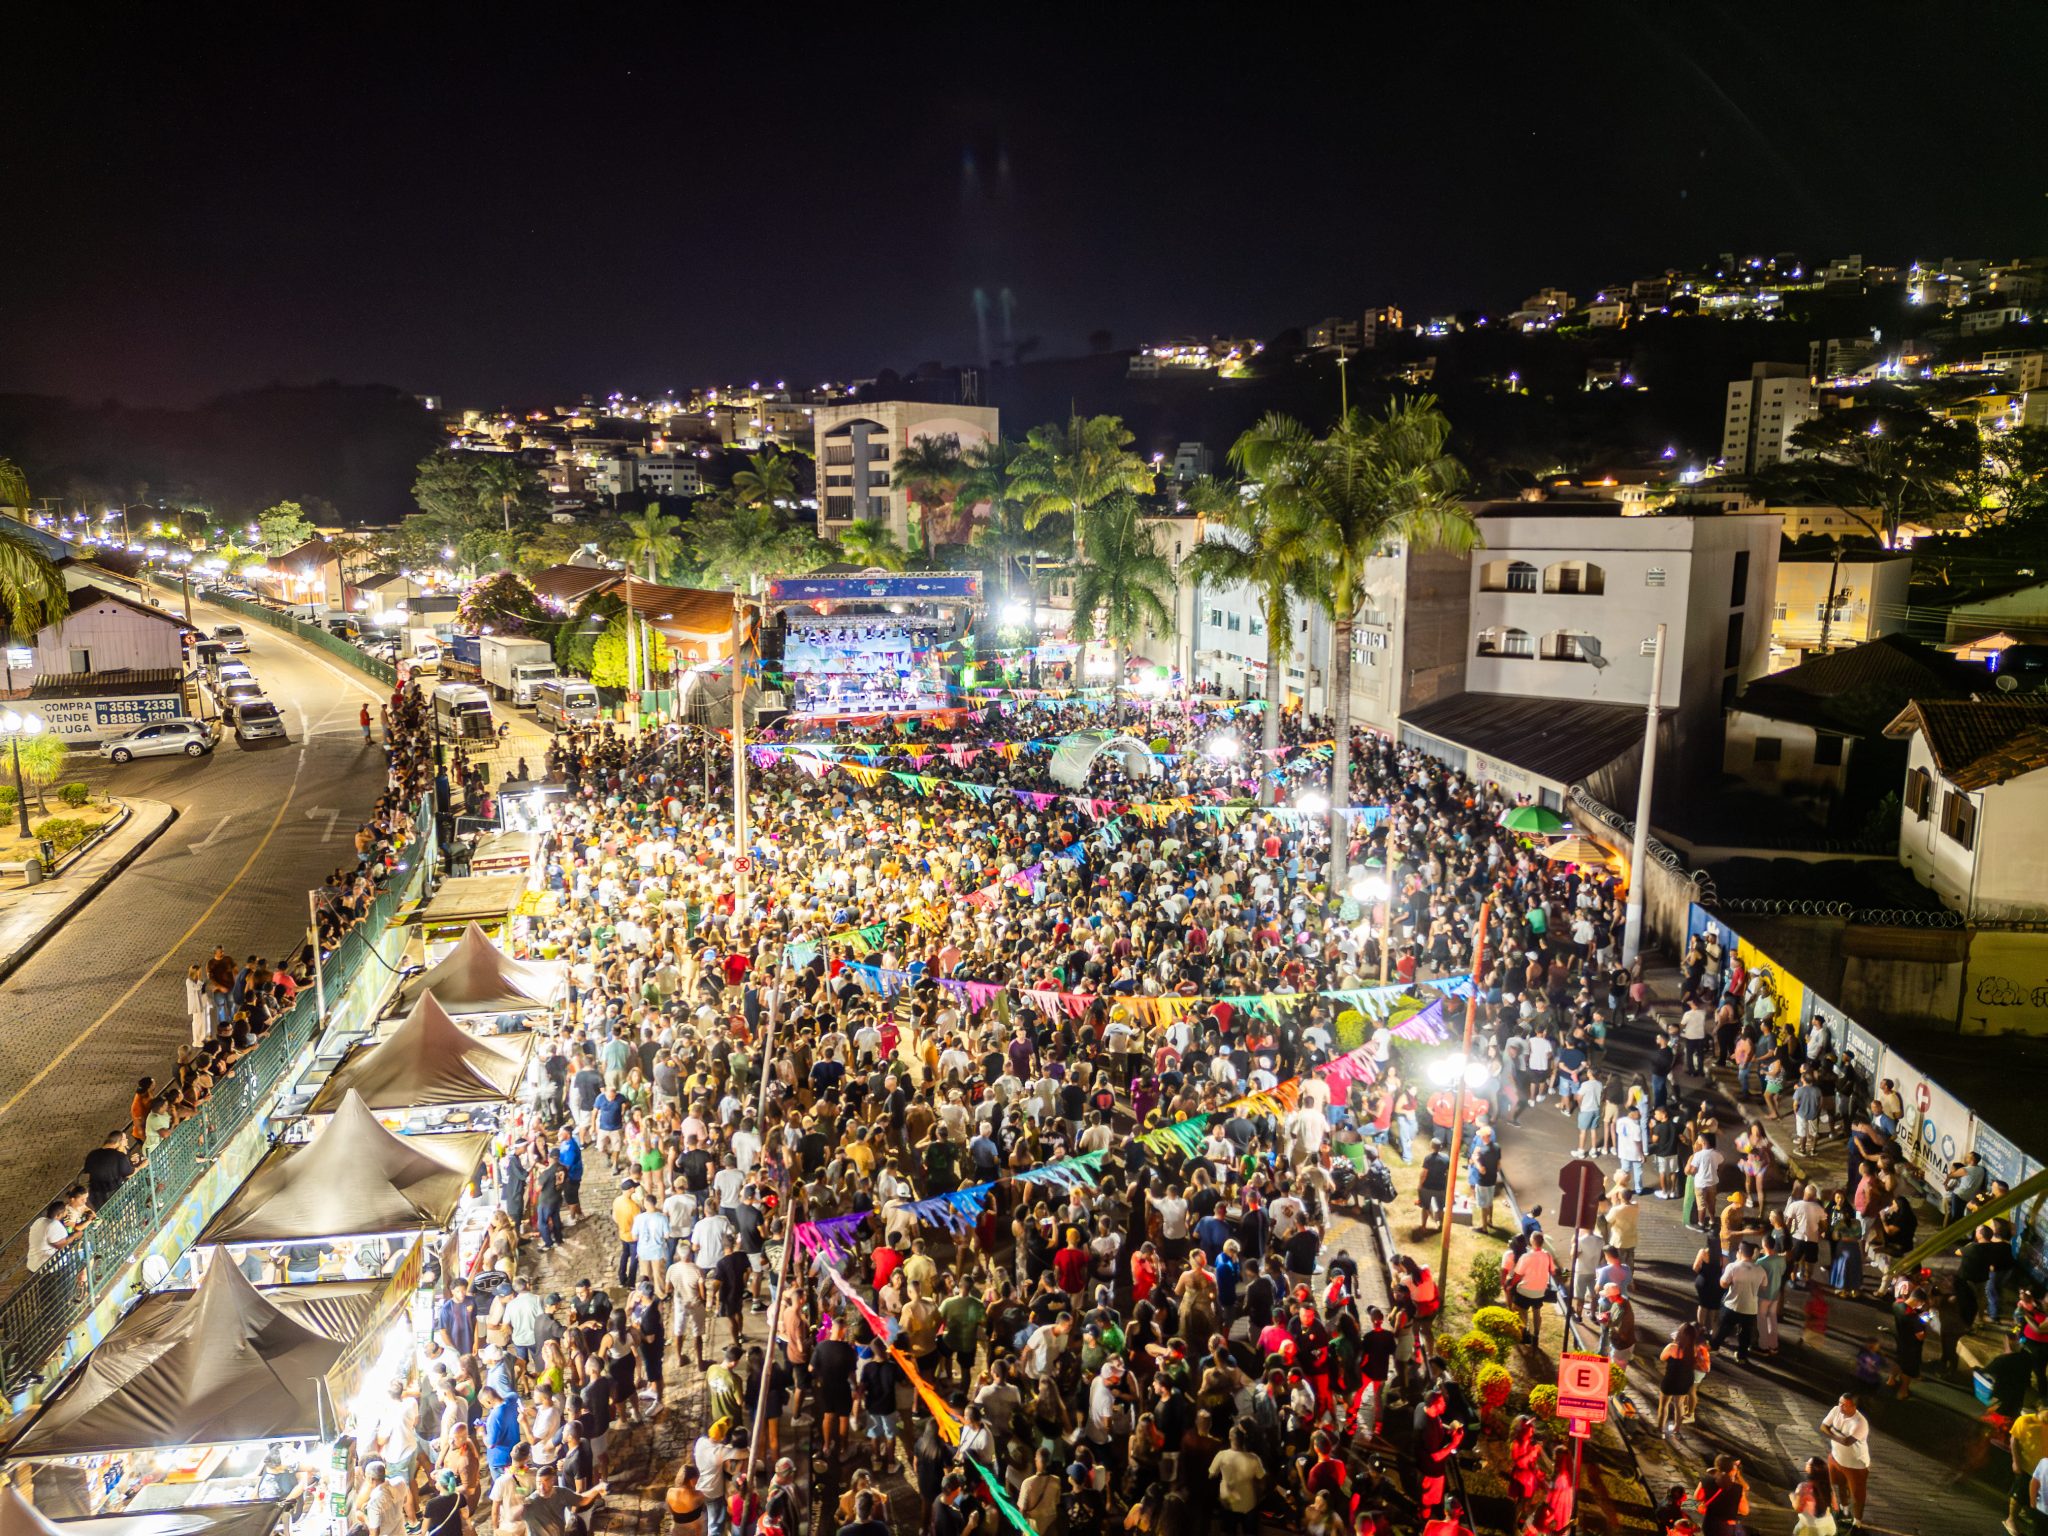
(1668, 893)
(1794, 774)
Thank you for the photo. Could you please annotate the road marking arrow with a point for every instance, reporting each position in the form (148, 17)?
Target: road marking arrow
(330, 813)
(213, 836)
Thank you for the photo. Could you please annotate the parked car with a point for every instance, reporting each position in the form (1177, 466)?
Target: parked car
(235, 695)
(257, 719)
(166, 738)
(231, 636)
(226, 672)
(345, 629)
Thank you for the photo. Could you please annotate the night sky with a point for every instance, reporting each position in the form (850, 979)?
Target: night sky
(547, 202)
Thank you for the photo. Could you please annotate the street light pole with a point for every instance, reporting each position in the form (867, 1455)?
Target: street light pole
(15, 725)
(1632, 931)
(1443, 1261)
(739, 754)
(20, 793)
(319, 966)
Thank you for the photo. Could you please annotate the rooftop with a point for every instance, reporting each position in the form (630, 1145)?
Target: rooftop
(1981, 741)
(1563, 740)
(1860, 689)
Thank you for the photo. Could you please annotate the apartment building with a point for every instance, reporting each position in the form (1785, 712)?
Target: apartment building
(857, 447)
(1763, 412)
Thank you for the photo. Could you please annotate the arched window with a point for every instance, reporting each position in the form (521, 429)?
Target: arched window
(1565, 645)
(1507, 576)
(1501, 641)
(1569, 576)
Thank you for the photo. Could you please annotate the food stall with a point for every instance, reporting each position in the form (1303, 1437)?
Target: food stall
(349, 1202)
(18, 1517)
(426, 1076)
(461, 902)
(476, 977)
(503, 853)
(180, 1404)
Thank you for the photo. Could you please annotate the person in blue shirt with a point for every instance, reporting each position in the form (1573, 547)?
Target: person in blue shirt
(569, 1153)
(501, 1427)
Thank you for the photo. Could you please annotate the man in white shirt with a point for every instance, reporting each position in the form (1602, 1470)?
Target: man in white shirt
(1628, 1146)
(1705, 1168)
(1848, 1433)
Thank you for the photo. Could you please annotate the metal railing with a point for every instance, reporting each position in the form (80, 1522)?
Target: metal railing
(43, 1306)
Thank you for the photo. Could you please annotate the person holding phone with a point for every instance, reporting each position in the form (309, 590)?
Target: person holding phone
(1848, 1433)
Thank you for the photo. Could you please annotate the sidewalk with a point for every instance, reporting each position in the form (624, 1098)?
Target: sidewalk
(1932, 1470)
(30, 914)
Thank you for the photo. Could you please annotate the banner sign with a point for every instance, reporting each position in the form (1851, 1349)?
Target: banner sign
(959, 587)
(97, 719)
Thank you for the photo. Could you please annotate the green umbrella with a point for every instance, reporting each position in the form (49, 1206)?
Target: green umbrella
(1534, 820)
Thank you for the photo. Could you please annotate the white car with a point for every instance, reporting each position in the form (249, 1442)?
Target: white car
(231, 636)
(256, 719)
(166, 738)
(232, 672)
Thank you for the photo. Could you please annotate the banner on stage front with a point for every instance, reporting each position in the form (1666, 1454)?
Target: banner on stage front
(959, 587)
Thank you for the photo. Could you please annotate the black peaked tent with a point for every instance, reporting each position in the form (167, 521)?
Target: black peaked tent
(18, 1517)
(353, 1179)
(478, 977)
(427, 1060)
(219, 1366)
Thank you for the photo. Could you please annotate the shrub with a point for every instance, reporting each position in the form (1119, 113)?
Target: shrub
(64, 832)
(8, 795)
(1495, 1387)
(75, 795)
(1475, 1348)
(1485, 1280)
(1499, 1324)
(1543, 1403)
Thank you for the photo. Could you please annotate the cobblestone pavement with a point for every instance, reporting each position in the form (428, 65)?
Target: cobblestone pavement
(102, 1002)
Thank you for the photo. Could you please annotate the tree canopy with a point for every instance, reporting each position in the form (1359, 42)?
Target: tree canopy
(503, 604)
(284, 527)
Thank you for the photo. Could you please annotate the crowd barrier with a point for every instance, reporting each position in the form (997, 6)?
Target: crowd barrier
(45, 1308)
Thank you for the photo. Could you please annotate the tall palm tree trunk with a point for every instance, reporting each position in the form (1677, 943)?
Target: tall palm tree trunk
(632, 656)
(1340, 764)
(1278, 619)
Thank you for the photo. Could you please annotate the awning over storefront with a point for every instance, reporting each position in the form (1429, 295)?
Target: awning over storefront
(354, 1178)
(18, 1517)
(1076, 754)
(209, 1367)
(503, 851)
(427, 1060)
(477, 977)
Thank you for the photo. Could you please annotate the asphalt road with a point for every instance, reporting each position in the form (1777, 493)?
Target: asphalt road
(102, 1002)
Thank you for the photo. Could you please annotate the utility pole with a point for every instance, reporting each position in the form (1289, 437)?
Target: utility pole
(741, 840)
(1632, 933)
(1443, 1262)
(1827, 610)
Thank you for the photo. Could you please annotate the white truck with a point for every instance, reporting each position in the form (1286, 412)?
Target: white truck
(422, 647)
(514, 668)
(462, 712)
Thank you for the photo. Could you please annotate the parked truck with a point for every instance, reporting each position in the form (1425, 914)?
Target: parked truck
(514, 668)
(462, 712)
(462, 659)
(422, 649)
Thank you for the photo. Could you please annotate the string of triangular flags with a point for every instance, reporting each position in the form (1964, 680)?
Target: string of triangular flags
(1426, 1027)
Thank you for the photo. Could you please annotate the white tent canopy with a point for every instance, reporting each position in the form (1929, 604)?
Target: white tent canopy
(478, 977)
(1076, 755)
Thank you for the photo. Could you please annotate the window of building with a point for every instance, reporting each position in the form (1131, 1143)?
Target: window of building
(1575, 576)
(1232, 624)
(1255, 627)
(1507, 576)
(839, 453)
(1566, 645)
(1769, 749)
(1506, 642)
(1959, 818)
(1919, 792)
(81, 659)
(1827, 751)
(1216, 616)
(1732, 655)
(1738, 590)
(839, 509)
(1778, 613)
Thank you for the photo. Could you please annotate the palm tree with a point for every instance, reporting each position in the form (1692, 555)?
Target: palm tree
(1122, 583)
(868, 542)
(1373, 479)
(930, 472)
(13, 488)
(653, 539)
(740, 543)
(1071, 469)
(32, 591)
(769, 480)
(1262, 548)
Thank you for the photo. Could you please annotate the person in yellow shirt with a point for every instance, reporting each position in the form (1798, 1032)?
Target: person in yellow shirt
(860, 1154)
(2029, 1444)
(626, 1210)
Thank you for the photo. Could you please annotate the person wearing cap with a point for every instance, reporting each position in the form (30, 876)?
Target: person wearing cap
(1617, 1318)
(716, 1463)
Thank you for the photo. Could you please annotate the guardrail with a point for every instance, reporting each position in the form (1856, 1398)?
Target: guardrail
(312, 634)
(43, 1306)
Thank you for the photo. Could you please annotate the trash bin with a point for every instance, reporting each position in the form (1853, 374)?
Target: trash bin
(49, 853)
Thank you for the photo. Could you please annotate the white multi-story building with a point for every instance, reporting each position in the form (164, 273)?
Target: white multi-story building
(1763, 412)
(857, 447)
(1562, 614)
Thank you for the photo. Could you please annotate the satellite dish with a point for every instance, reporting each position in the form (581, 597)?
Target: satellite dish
(2006, 682)
(1589, 647)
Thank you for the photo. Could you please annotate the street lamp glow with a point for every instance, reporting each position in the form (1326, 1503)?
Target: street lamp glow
(1016, 613)
(1369, 887)
(1223, 748)
(1314, 802)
